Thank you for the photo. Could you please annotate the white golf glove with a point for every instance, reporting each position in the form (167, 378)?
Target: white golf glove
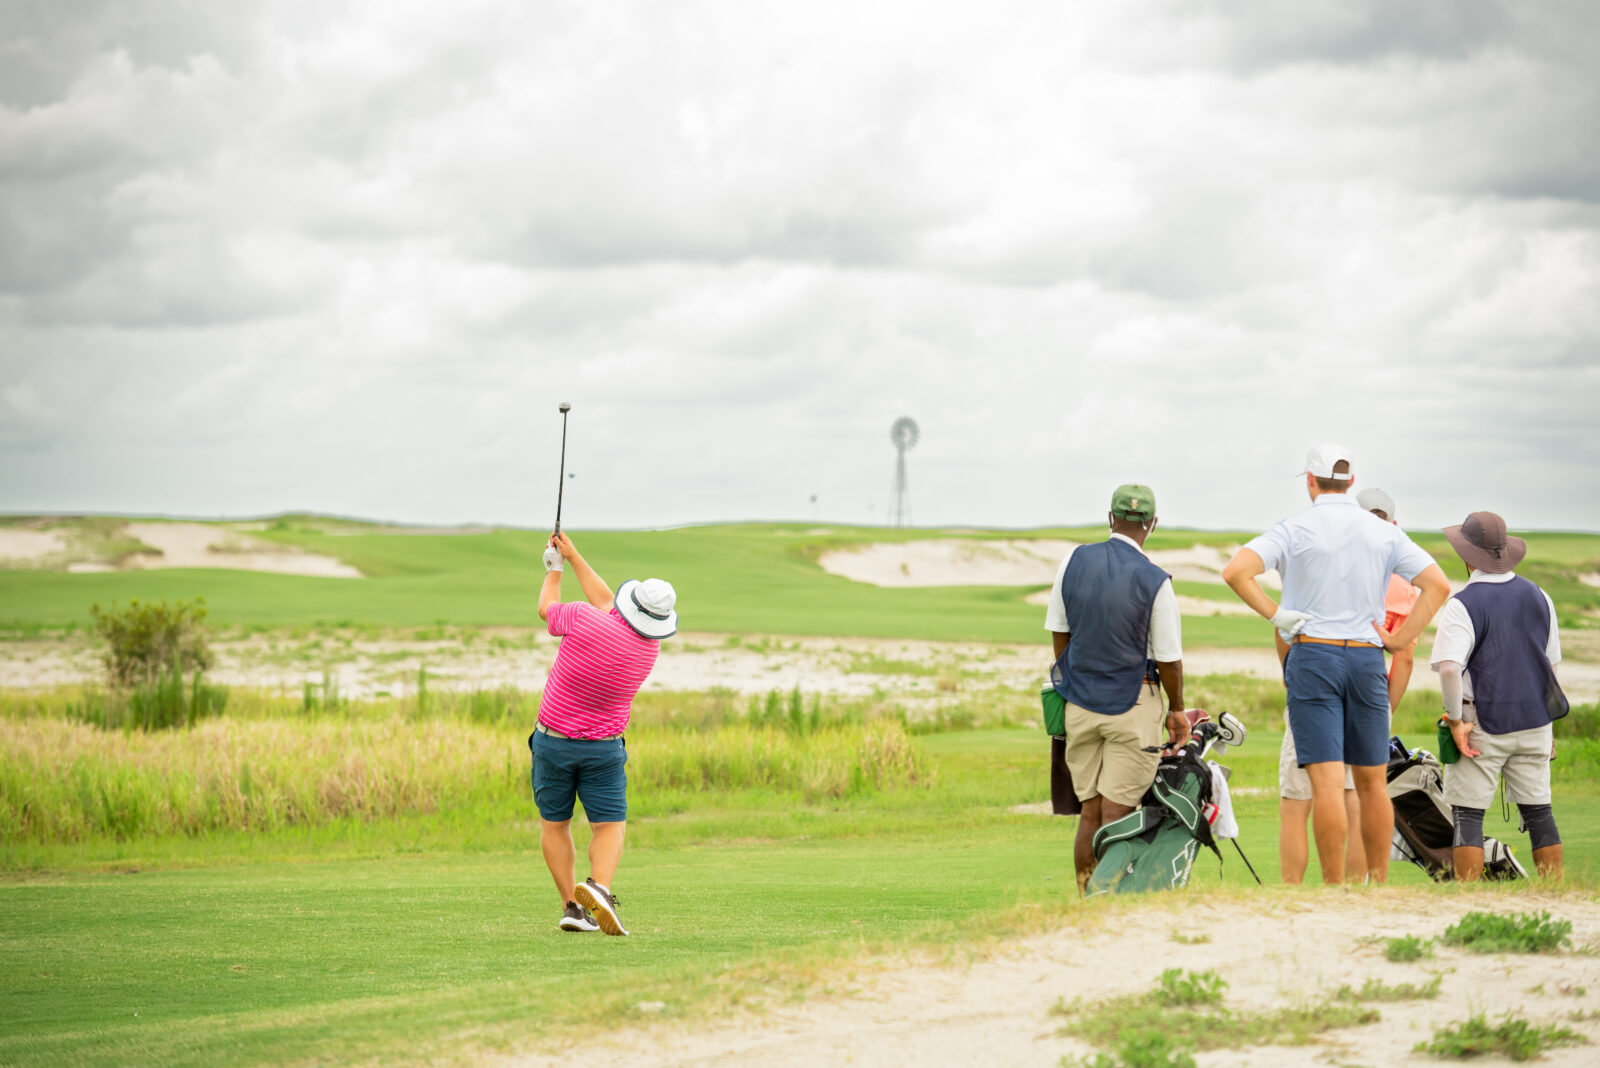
(1290, 622)
(552, 558)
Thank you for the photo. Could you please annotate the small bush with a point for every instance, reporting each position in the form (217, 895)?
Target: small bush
(1190, 939)
(1407, 948)
(1524, 932)
(1517, 1039)
(1143, 1048)
(1378, 990)
(1179, 987)
(146, 641)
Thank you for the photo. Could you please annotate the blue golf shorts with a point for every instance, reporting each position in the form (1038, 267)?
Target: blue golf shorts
(1338, 703)
(592, 772)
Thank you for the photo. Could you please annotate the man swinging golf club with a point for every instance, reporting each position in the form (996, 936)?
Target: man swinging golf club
(608, 646)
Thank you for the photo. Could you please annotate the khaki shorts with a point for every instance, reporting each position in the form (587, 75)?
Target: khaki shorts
(1523, 757)
(1105, 753)
(1293, 782)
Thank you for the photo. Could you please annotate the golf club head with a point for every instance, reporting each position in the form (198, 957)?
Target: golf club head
(564, 407)
(1230, 731)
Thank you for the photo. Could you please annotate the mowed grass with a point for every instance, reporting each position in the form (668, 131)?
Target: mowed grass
(432, 936)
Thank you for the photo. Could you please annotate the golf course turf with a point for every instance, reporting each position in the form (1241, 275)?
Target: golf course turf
(430, 935)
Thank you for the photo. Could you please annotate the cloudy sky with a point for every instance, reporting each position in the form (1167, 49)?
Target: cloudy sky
(348, 256)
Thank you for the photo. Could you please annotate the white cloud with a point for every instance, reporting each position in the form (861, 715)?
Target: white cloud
(348, 257)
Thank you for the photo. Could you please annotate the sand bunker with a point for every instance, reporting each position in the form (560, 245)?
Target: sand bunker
(29, 548)
(80, 551)
(200, 545)
(1013, 562)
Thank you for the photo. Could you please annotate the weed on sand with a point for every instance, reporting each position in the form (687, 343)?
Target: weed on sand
(1378, 990)
(1407, 948)
(1513, 1038)
(1187, 1008)
(1523, 932)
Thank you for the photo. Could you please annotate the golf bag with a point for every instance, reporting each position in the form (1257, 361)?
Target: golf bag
(1423, 831)
(1153, 847)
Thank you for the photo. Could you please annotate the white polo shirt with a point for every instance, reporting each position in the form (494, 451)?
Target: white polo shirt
(1166, 627)
(1456, 639)
(1336, 558)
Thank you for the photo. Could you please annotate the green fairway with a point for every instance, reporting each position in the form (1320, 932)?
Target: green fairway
(397, 945)
(738, 578)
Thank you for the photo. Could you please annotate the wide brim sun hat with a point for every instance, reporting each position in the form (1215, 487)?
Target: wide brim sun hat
(1482, 542)
(648, 607)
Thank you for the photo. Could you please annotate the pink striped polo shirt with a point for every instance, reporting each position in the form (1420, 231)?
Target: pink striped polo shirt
(601, 664)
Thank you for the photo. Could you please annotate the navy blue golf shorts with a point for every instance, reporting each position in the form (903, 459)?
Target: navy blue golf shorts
(592, 772)
(1338, 703)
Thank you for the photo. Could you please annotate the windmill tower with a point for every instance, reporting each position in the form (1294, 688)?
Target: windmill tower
(903, 434)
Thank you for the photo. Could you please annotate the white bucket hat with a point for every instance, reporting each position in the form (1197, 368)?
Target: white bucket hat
(648, 607)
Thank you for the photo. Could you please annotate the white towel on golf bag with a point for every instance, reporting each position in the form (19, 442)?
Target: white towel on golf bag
(1223, 824)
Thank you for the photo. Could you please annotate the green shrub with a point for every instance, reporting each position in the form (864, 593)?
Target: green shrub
(1524, 932)
(1378, 990)
(1142, 1048)
(146, 641)
(1407, 948)
(1513, 1038)
(1179, 987)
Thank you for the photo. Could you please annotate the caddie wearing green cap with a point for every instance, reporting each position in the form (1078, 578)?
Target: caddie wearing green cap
(1114, 620)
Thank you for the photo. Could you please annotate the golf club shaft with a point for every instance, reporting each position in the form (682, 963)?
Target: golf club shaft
(562, 485)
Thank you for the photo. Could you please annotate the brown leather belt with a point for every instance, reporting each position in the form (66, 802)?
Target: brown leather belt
(542, 729)
(1347, 642)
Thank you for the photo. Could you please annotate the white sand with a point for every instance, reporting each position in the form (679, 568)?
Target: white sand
(202, 545)
(1274, 951)
(1014, 562)
(22, 547)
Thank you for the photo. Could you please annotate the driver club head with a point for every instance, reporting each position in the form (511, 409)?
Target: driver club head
(564, 407)
(1232, 731)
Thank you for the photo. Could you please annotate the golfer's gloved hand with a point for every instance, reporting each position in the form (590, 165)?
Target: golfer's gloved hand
(552, 558)
(1290, 622)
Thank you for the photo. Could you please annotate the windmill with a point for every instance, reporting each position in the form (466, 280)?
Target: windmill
(904, 435)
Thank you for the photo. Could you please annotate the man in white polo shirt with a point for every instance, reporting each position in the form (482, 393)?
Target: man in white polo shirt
(1336, 559)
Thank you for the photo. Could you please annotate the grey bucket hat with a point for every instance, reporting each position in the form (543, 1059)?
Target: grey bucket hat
(1481, 540)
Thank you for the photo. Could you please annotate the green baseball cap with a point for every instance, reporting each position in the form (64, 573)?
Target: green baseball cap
(1134, 502)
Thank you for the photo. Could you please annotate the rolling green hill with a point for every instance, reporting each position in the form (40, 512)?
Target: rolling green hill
(736, 578)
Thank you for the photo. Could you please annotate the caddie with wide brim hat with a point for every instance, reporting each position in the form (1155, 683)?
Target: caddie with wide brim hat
(1483, 544)
(608, 646)
(1495, 652)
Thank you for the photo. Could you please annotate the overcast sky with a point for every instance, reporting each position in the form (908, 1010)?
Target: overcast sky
(347, 257)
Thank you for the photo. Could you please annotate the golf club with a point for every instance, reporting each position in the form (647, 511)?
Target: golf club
(561, 485)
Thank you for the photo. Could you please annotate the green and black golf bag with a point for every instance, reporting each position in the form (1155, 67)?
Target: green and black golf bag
(1153, 847)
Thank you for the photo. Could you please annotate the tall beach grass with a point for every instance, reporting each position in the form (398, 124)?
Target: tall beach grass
(275, 762)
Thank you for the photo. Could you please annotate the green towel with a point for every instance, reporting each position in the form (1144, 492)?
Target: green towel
(1448, 753)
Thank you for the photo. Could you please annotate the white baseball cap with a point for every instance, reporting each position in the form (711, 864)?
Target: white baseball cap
(648, 607)
(1321, 458)
(1375, 500)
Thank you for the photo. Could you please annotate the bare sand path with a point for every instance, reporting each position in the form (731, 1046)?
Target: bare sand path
(916, 671)
(1273, 951)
